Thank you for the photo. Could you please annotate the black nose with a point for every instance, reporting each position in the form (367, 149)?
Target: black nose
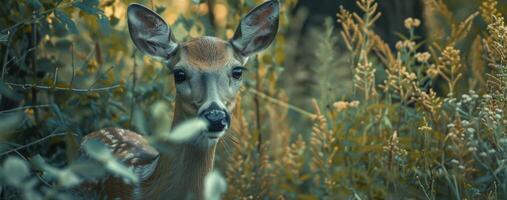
(217, 118)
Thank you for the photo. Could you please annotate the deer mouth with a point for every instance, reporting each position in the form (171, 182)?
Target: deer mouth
(215, 135)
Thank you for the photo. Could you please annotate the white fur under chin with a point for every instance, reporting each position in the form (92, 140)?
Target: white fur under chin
(206, 140)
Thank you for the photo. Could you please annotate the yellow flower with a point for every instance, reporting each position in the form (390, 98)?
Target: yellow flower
(411, 23)
(422, 57)
(344, 105)
(432, 71)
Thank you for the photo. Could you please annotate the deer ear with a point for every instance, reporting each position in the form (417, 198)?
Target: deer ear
(257, 30)
(150, 33)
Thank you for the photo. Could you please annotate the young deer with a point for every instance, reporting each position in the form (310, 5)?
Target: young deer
(208, 74)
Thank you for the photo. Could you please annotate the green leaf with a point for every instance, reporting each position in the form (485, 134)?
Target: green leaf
(88, 169)
(35, 4)
(185, 131)
(105, 27)
(91, 2)
(65, 177)
(160, 9)
(139, 120)
(88, 8)
(15, 171)
(9, 122)
(67, 21)
(114, 20)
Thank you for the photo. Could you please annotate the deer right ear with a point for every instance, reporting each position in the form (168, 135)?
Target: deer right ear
(150, 33)
(257, 30)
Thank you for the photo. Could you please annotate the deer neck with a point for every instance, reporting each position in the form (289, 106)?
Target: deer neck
(180, 174)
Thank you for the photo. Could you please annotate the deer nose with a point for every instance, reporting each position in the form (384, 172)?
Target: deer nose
(218, 119)
(215, 115)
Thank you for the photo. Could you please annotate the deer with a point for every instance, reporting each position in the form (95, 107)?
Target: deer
(208, 73)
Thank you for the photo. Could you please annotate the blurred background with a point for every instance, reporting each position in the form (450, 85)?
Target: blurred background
(365, 100)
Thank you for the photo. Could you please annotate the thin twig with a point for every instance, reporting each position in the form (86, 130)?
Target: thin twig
(32, 143)
(42, 15)
(23, 108)
(97, 77)
(257, 108)
(73, 66)
(282, 103)
(6, 55)
(28, 86)
(134, 80)
(33, 58)
(55, 79)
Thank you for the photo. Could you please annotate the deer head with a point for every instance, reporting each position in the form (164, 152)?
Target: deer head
(208, 71)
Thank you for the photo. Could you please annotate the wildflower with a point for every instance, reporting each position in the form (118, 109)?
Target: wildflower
(465, 122)
(432, 71)
(422, 57)
(411, 23)
(425, 128)
(472, 149)
(343, 105)
(454, 161)
(354, 104)
(466, 98)
(461, 167)
(483, 154)
(407, 44)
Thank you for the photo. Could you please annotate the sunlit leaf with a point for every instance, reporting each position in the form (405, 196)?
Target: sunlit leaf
(99, 151)
(121, 170)
(214, 186)
(185, 131)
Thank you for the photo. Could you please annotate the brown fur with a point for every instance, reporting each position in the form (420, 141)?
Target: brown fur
(206, 53)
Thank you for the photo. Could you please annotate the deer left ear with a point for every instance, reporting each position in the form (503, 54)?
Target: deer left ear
(257, 30)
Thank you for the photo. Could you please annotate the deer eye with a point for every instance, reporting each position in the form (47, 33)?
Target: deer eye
(237, 72)
(179, 76)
